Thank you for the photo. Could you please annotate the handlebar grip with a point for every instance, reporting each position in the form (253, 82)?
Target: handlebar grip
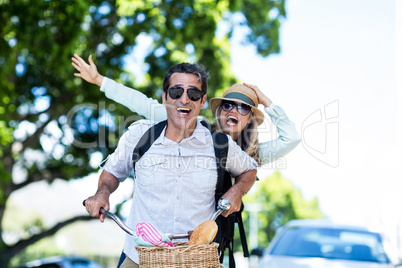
(101, 210)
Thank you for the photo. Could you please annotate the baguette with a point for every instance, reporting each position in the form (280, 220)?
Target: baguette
(204, 233)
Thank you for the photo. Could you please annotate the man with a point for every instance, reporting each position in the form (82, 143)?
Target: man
(175, 179)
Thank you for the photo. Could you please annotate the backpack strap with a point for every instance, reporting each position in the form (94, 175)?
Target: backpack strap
(147, 140)
(242, 233)
(232, 263)
(221, 145)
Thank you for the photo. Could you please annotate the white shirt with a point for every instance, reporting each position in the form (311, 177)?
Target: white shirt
(174, 182)
(288, 137)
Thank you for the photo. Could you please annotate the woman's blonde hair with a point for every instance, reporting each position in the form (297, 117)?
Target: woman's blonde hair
(248, 137)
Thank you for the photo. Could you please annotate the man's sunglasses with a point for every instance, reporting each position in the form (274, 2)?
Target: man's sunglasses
(242, 108)
(193, 94)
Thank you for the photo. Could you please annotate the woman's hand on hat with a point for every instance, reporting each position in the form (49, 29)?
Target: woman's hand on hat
(262, 99)
(87, 72)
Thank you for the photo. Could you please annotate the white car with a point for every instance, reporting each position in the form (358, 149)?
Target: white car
(322, 244)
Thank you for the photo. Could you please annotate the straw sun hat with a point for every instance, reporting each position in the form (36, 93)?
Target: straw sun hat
(243, 94)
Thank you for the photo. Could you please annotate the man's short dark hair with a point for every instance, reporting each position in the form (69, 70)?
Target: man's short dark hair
(188, 68)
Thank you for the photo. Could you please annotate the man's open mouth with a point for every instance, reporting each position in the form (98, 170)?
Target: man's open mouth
(232, 121)
(183, 110)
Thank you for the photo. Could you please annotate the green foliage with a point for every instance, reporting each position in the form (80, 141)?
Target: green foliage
(39, 126)
(280, 202)
(20, 223)
(186, 30)
(51, 123)
(17, 224)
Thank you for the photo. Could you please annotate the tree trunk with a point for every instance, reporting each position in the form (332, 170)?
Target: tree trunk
(4, 259)
(7, 252)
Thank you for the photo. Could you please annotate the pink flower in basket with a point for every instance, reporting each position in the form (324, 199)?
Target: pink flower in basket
(146, 234)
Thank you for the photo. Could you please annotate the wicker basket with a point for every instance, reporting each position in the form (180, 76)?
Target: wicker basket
(182, 255)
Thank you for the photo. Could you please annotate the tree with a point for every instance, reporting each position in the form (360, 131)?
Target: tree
(51, 124)
(280, 202)
(16, 225)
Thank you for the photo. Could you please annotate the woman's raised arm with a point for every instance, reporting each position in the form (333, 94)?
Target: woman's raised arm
(129, 97)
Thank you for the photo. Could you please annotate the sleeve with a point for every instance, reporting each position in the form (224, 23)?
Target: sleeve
(288, 137)
(238, 161)
(134, 100)
(120, 163)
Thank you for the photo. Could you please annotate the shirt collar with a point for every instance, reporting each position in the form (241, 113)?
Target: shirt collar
(200, 133)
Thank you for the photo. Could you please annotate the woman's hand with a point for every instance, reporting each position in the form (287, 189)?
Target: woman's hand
(87, 72)
(262, 99)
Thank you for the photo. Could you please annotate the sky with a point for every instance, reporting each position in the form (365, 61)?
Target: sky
(336, 79)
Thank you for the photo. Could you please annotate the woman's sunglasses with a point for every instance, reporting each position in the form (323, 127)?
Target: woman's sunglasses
(193, 94)
(242, 108)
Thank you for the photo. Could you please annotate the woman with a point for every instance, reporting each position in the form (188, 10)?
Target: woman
(236, 113)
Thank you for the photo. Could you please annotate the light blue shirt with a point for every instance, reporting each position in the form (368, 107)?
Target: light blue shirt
(288, 137)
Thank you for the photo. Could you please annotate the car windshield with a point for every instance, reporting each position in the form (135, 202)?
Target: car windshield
(331, 243)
